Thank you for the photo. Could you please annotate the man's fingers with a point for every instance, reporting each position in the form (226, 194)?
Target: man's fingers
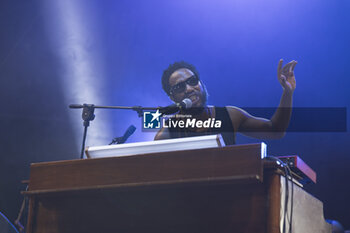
(283, 78)
(289, 68)
(279, 68)
(286, 73)
(286, 68)
(293, 65)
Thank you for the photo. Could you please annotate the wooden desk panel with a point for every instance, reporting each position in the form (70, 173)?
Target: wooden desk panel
(229, 163)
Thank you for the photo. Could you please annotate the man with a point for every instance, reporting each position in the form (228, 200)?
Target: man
(181, 80)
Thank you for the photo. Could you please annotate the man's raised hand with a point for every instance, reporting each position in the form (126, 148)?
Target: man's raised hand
(285, 75)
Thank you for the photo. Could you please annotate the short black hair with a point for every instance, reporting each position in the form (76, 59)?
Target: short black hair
(171, 69)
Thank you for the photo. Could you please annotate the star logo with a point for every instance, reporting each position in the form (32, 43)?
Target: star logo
(156, 115)
(151, 120)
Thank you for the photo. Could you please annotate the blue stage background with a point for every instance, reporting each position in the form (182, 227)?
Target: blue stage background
(114, 52)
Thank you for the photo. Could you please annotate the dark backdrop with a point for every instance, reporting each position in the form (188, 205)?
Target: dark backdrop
(113, 53)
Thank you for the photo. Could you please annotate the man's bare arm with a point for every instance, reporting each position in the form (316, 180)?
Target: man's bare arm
(262, 128)
(278, 124)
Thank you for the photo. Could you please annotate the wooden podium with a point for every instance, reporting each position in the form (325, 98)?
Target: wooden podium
(228, 189)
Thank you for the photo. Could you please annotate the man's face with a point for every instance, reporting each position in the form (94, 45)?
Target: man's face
(183, 85)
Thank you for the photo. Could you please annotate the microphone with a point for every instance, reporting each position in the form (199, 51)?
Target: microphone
(184, 104)
(127, 134)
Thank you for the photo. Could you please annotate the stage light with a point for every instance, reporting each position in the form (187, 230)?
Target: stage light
(70, 26)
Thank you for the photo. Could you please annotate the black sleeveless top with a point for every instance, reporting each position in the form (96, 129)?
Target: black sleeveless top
(226, 129)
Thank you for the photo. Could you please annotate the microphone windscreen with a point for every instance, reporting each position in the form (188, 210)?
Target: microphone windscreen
(130, 131)
(187, 103)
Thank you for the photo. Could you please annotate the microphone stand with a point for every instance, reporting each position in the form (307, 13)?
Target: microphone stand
(88, 115)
